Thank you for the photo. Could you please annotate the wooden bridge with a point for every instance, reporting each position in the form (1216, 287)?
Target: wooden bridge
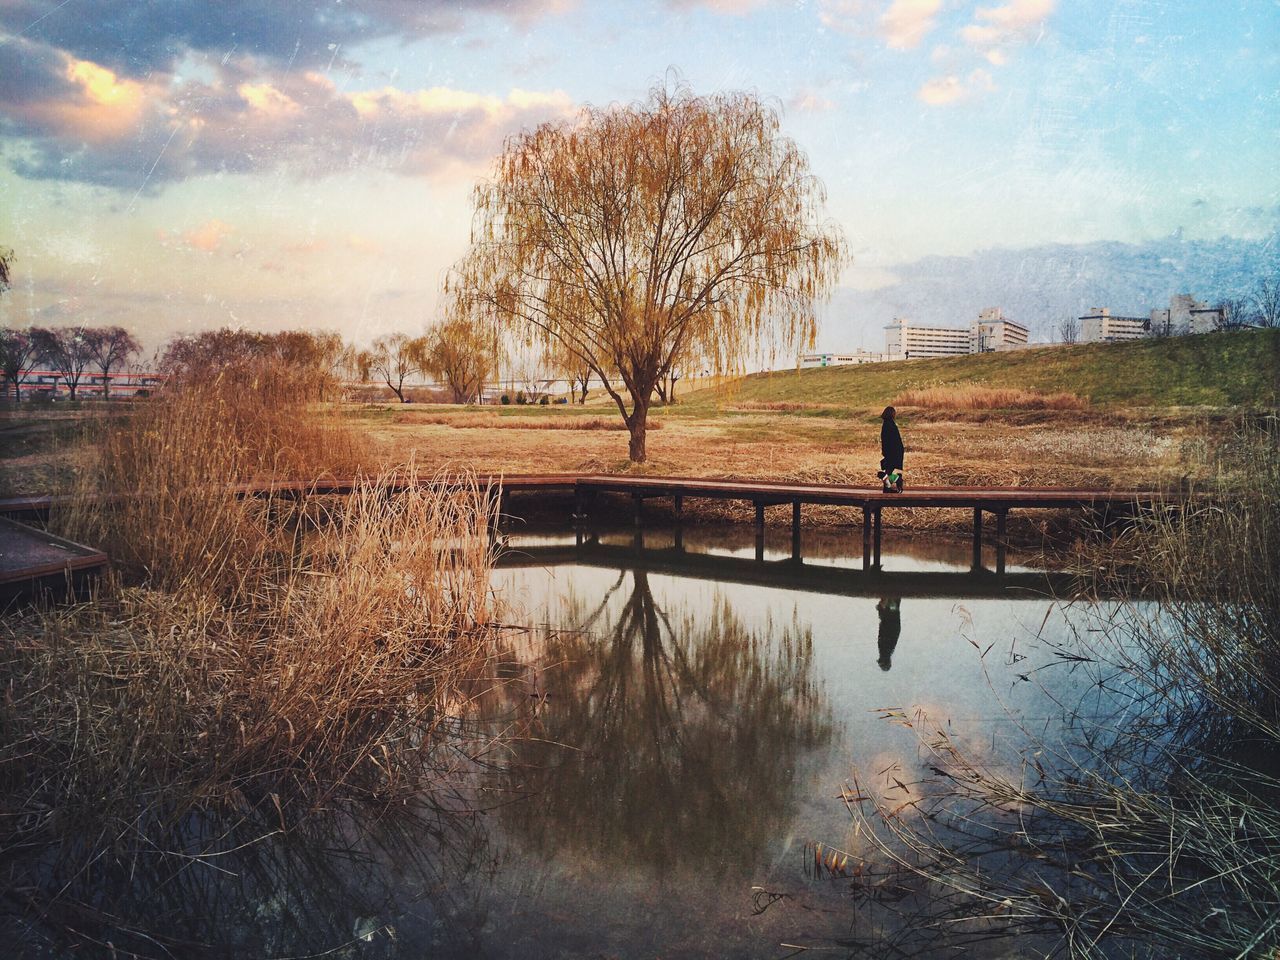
(27, 558)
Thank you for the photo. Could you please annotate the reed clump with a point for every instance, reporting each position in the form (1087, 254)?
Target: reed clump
(988, 398)
(250, 652)
(1149, 828)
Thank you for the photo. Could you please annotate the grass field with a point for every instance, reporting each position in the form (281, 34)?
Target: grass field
(1235, 368)
(1137, 414)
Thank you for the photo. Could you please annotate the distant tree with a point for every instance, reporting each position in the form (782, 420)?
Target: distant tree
(1235, 312)
(574, 368)
(110, 347)
(635, 233)
(462, 355)
(393, 359)
(666, 386)
(210, 351)
(6, 267)
(321, 356)
(17, 352)
(67, 349)
(1069, 329)
(1266, 301)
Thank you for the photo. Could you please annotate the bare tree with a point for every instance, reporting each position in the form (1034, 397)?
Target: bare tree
(17, 351)
(1266, 300)
(395, 358)
(462, 355)
(636, 234)
(1069, 329)
(6, 268)
(1235, 312)
(67, 349)
(575, 369)
(110, 347)
(313, 362)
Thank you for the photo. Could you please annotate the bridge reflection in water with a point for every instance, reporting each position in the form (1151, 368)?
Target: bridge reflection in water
(930, 567)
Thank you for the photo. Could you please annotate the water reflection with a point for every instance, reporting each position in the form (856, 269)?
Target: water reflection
(889, 611)
(666, 738)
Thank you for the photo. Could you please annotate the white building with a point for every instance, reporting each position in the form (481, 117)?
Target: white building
(1099, 326)
(1185, 314)
(993, 331)
(809, 360)
(913, 341)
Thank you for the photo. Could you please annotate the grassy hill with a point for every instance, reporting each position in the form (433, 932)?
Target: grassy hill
(1234, 368)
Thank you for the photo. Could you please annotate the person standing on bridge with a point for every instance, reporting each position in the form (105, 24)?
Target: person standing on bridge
(891, 452)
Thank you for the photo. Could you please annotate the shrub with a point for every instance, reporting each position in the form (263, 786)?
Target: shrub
(506, 400)
(543, 402)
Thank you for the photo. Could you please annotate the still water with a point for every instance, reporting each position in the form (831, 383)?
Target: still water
(647, 765)
(693, 715)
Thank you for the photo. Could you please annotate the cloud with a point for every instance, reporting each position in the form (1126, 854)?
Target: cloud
(78, 120)
(733, 8)
(942, 91)
(906, 22)
(136, 38)
(208, 236)
(847, 16)
(807, 101)
(1014, 22)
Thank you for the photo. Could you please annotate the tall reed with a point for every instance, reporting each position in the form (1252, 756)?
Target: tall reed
(1153, 828)
(251, 652)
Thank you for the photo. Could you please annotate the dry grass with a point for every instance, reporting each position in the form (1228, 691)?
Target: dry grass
(254, 654)
(518, 422)
(1151, 828)
(988, 398)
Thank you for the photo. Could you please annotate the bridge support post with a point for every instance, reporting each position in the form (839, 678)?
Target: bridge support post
(579, 505)
(795, 529)
(866, 537)
(875, 559)
(1001, 517)
(504, 505)
(759, 531)
(977, 538)
(639, 502)
(678, 505)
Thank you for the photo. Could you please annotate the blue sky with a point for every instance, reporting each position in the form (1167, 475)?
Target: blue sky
(185, 165)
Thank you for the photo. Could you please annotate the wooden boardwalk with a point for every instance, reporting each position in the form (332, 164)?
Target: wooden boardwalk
(36, 564)
(28, 561)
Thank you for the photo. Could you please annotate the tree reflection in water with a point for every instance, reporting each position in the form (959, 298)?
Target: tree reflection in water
(668, 741)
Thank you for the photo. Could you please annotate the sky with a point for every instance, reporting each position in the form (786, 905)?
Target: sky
(175, 165)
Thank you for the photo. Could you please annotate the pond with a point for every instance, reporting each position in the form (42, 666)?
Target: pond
(650, 762)
(694, 718)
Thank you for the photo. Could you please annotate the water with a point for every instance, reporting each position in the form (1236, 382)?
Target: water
(693, 727)
(649, 765)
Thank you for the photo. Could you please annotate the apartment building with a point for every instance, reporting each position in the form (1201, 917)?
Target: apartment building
(1099, 326)
(1185, 314)
(994, 331)
(906, 340)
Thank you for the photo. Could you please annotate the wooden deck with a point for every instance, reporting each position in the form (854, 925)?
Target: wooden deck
(35, 564)
(28, 559)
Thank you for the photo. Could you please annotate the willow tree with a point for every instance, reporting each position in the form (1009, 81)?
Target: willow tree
(634, 235)
(462, 355)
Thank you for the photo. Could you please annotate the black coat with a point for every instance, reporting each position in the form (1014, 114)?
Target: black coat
(891, 448)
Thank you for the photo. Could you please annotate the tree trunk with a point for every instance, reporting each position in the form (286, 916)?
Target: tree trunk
(106, 383)
(399, 392)
(637, 424)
